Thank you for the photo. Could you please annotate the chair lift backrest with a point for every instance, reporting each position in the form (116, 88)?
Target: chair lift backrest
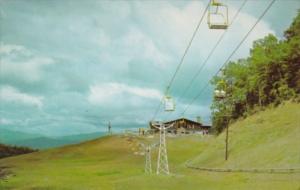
(216, 3)
(220, 94)
(220, 13)
(169, 104)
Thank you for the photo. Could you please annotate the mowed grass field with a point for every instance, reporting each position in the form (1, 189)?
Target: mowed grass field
(268, 139)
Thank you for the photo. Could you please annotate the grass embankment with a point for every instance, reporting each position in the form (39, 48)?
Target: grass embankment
(270, 139)
(266, 139)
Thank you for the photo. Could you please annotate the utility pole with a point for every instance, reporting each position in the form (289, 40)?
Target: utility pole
(229, 117)
(226, 143)
(221, 94)
(109, 128)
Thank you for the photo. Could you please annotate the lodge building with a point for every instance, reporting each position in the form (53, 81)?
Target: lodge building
(184, 126)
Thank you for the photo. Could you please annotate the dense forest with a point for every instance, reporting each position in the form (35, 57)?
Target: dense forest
(269, 76)
(7, 150)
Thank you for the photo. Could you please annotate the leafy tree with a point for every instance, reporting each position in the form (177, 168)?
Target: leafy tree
(270, 75)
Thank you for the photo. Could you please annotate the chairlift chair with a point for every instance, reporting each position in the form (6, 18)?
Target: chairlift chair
(217, 15)
(220, 94)
(169, 103)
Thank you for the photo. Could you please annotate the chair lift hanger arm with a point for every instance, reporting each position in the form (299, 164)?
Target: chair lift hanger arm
(171, 125)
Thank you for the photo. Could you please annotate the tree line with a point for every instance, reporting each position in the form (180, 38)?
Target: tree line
(269, 76)
(8, 150)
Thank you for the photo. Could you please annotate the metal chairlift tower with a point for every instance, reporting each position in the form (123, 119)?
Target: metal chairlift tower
(148, 166)
(147, 151)
(162, 161)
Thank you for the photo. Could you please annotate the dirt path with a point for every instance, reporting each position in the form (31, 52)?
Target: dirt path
(4, 172)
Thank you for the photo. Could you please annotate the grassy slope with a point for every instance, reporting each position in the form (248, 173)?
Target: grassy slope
(267, 139)
(270, 139)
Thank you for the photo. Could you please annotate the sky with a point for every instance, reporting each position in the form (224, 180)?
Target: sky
(70, 66)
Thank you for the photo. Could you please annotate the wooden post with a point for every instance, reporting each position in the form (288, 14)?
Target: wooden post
(227, 125)
(226, 143)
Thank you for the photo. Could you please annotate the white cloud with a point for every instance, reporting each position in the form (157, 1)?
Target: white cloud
(113, 38)
(138, 44)
(171, 25)
(158, 40)
(134, 44)
(172, 28)
(119, 9)
(10, 94)
(30, 68)
(4, 121)
(103, 39)
(9, 48)
(114, 92)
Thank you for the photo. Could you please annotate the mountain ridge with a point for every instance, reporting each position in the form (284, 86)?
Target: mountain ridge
(38, 141)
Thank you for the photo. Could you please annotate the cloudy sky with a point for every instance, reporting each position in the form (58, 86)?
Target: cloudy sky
(70, 66)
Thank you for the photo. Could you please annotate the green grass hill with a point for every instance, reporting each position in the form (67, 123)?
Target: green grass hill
(268, 139)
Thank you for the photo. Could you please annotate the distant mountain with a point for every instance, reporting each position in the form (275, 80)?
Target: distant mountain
(9, 136)
(42, 142)
(83, 137)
